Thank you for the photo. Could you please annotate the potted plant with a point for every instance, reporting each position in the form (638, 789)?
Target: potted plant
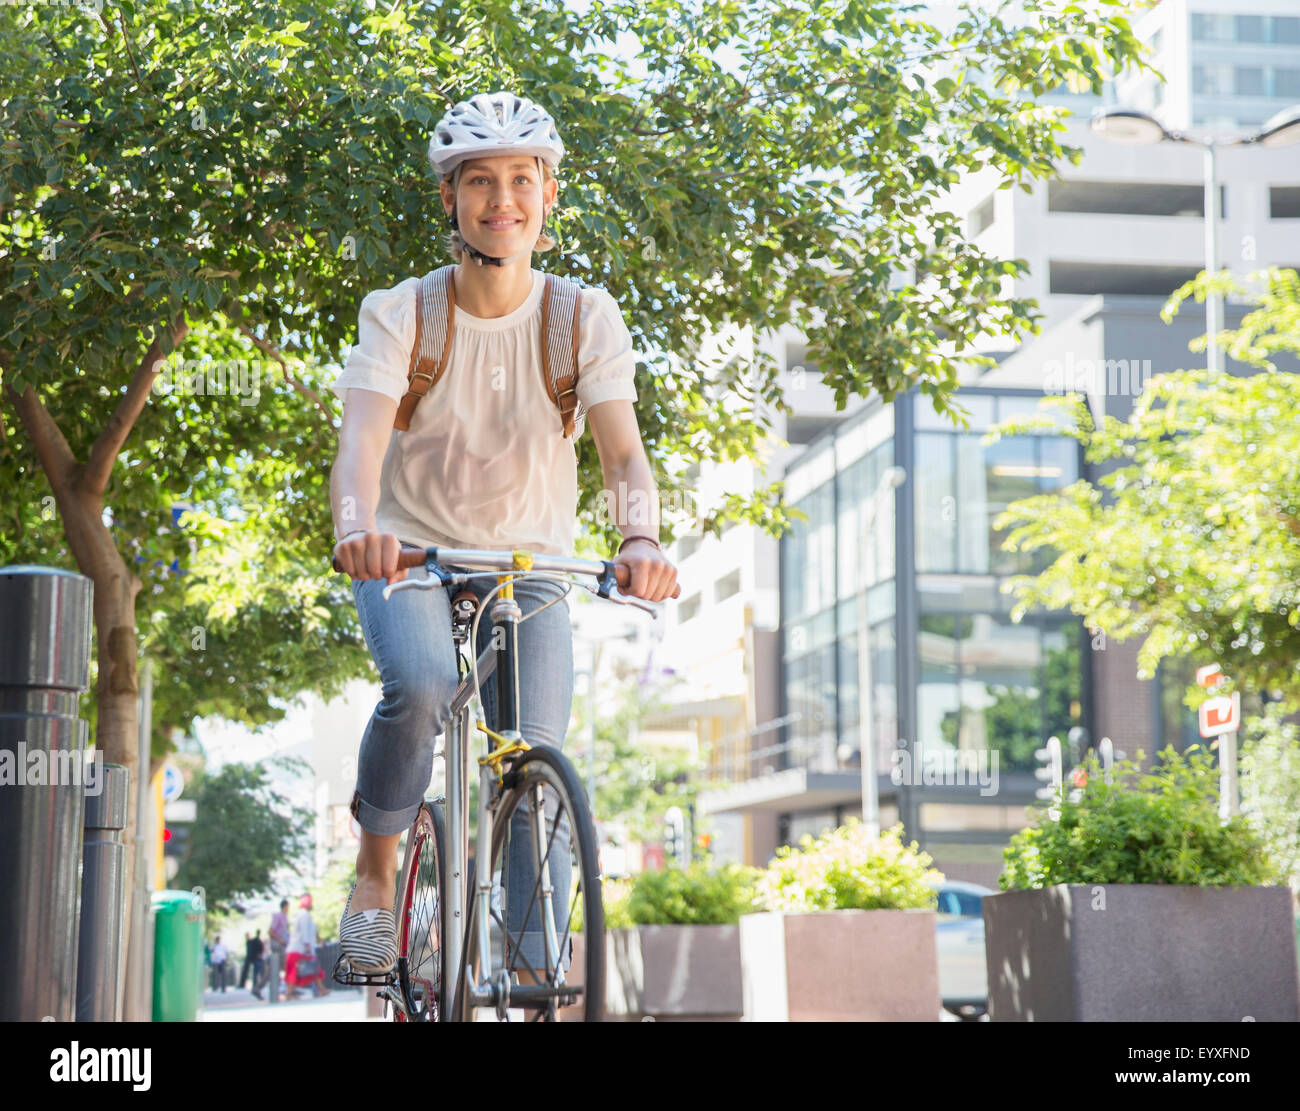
(846, 933)
(1131, 900)
(673, 943)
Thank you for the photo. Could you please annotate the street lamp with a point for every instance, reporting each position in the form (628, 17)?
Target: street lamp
(889, 481)
(1133, 128)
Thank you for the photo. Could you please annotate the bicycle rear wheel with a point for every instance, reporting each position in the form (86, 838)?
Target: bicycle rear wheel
(542, 812)
(420, 934)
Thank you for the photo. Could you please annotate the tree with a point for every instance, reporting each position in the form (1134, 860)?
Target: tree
(243, 831)
(635, 782)
(1270, 787)
(194, 203)
(1197, 547)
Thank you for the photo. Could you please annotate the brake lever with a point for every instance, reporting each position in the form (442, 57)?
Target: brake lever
(608, 588)
(410, 584)
(654, 609)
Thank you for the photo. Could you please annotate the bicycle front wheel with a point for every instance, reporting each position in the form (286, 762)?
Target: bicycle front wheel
(544, 859)
(420, 934)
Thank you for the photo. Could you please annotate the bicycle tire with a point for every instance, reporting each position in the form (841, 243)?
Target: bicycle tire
(420, 928)
(546, 766)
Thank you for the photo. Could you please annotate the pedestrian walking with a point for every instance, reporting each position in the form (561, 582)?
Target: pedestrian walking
(220, 957)
(303, 967)
(279, 942)
(243, 968)
(256, 948)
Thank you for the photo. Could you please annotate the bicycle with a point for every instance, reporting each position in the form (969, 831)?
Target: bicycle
(444, 973)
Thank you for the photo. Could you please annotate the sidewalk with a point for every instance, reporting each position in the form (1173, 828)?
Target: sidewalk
(342, 1004)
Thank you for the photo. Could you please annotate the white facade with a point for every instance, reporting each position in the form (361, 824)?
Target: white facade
(1128, 220)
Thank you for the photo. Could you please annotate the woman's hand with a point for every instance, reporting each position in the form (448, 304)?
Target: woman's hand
(653, 577)
(370, 554)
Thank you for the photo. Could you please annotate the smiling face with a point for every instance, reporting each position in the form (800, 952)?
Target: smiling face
(501, 203)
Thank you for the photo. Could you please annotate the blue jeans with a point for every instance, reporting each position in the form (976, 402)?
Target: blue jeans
(409, 637)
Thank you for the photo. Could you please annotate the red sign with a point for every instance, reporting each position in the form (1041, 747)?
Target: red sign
(1220, 715)
(1209, 676)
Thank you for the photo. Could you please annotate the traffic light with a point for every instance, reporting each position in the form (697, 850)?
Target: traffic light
(1049, 770)
(176, 839)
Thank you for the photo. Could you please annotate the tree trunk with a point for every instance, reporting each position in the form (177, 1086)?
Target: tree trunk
(79, 489)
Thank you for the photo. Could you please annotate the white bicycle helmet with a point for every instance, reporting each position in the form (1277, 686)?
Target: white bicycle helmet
(493, 124)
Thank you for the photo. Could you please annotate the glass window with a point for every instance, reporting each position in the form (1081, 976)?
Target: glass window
(1250, 81)
(980, 408)
(972, 506)
(812, 824)
(1286, 28)
(1249, 28)
(688, 608)
(1011, 474)
(852, 493)
(935, 501)
(937, 701)
(1286, 82)
(1016, 405)
(808, 556)
(1209, 27)
(850, 731)
(1000, 705)
(811, 694)
(969, 904)
(727, 586)
(884, 687)
(1213, 79)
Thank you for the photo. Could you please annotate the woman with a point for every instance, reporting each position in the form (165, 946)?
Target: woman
(302, 947)
(483, 464)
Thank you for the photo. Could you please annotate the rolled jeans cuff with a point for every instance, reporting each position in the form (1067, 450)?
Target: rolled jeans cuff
(382, 823)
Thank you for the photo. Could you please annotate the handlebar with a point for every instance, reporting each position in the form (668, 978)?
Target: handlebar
(609, 574)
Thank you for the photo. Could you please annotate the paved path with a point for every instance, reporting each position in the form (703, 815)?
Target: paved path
(240, 1005)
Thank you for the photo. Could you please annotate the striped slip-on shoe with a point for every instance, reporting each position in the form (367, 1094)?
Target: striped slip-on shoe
(368, 938)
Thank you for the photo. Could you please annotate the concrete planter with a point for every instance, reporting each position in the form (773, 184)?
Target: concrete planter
(1141, 952)
(674, 973)
(667, 973)
(840, 965)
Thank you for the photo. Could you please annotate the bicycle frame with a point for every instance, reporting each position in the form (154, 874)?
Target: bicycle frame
(502, 657)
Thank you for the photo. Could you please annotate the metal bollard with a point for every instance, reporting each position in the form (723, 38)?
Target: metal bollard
(44, 667)
(103, 871)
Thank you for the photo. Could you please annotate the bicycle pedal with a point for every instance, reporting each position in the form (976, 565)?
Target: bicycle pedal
(344, 974)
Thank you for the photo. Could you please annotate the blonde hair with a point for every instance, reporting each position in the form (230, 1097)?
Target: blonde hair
(456, 245)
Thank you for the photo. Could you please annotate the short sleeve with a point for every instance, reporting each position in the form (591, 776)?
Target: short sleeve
(605, 349)
(381, 358)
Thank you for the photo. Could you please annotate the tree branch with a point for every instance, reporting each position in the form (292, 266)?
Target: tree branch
(55, 456)
(307, 392)
(109, 443)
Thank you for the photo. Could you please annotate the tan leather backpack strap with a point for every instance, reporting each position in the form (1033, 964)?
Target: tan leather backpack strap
(561, 301)
(435, 323)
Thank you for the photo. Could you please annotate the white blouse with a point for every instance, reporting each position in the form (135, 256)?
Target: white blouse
(484, 463)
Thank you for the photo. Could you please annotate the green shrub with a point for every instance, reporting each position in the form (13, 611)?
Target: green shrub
(847, 870)
(1160, 826)
(704, 894)
(613, 894)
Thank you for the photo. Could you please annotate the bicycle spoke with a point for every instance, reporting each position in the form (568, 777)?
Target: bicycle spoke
(537, 885)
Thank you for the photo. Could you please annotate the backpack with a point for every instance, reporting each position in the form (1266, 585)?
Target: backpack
(435, 324)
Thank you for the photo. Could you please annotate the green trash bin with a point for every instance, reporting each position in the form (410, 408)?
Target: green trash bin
(177, 956)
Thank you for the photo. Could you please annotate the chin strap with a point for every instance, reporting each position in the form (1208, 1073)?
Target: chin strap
(479, 257)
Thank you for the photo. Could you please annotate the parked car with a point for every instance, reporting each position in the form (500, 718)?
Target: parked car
(959, 941)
